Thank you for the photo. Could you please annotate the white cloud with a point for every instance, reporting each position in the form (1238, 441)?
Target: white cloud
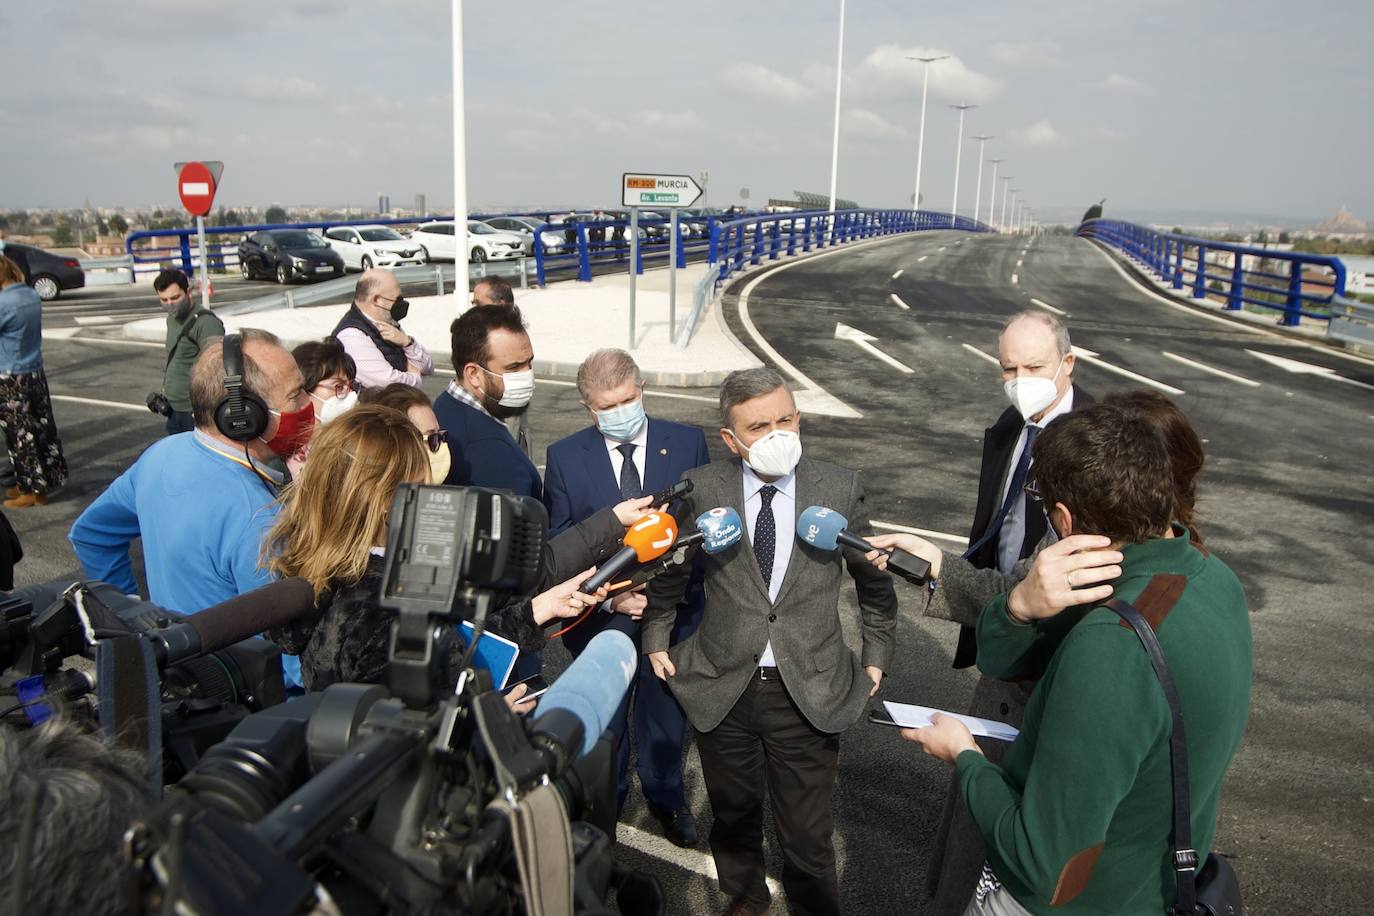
(1021, 53)
(888, 71)
(764, 84)
(288, 90)
(1041, 133)
(1116, 82)
(686, 121)
(860, 123)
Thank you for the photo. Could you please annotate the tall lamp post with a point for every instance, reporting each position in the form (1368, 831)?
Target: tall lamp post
(958, 154)
(992, 194)
(1002, 223)
(921, 140)
(1014, 205)
(978, 195)
(460, 160)
(835, 143)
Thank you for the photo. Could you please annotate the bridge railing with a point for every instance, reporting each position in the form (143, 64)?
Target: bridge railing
(1294, 283)
(590, 243)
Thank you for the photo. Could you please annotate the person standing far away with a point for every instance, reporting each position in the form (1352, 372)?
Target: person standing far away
(371, 333)
(25, 406)
(189, 328)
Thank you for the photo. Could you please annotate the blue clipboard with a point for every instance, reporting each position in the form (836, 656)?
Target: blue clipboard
(494, 653)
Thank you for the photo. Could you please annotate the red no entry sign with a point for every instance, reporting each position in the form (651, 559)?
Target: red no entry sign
(196, 186)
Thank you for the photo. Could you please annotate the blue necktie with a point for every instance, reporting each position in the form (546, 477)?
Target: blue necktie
(1015, 491)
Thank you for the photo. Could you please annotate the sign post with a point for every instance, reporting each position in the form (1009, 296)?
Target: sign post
(638, 189)
(196, 186)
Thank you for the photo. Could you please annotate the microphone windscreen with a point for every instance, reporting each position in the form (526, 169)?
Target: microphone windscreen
(651, 536)
(820, 527)
(594, 685)
(245, 616)
(720, 527)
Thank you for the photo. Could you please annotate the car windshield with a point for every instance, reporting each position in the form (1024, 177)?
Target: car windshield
(298, 240)
(477, 228)
(380, 235)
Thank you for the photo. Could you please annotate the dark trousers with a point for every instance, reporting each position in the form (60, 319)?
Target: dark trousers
(765, 739)
(660, 723)
(181, 421)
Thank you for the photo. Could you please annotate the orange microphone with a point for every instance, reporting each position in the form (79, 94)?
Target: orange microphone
(648, 539)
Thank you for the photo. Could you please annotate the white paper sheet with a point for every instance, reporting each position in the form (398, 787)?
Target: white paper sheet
(909, 716)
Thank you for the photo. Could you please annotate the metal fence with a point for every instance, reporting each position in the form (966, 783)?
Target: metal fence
(1294, 283)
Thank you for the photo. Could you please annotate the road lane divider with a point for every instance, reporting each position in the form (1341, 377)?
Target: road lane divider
(1015, 279)
(865, 342)
(897, 300)
(118, 405)
(922, 258)
(1301, 368)
(1045, 305)
(1203, 367)
(981, 355)
(897, 274)
(1091, 358)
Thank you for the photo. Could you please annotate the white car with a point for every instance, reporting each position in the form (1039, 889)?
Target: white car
(484, 242)
(365, 247)
(525, 227)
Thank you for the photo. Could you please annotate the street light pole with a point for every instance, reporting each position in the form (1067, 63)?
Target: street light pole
(1002, 223)
(1014, 192)
(958, 154)
(921, 141)
(460, 163)
(835, 143)
(978, 195)
(992, 195)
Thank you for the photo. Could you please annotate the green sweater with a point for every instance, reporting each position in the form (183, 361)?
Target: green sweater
(1077, 819)
(176, 380)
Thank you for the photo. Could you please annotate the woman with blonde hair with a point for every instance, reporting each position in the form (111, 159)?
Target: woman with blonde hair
(25, 407)
(332, 531)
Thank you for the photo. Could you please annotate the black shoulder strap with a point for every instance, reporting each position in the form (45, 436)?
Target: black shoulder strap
(1184, 856)
(185, 329)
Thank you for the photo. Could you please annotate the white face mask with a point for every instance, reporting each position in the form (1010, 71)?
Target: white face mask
(519, 387)
(439, 464)
(333, 408)
(1031, 394)
(775, 454)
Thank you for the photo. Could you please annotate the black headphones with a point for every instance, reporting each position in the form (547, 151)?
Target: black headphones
(240, 415)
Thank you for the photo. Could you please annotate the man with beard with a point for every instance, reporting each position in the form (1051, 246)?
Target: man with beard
(371, 333)
(494, 364)
(188, 330)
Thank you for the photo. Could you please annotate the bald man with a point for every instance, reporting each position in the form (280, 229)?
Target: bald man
(370, 332)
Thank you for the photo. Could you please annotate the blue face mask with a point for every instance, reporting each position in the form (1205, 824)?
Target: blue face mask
(621, 423)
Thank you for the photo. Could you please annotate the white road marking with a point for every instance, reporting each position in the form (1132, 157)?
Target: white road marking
(941, 248)
(923, 532)
(1045, 305)
(1205, 368)
(561, 383)
(1014, 280)
(922, 258)
(116, 318)
(1088, 356)
(141, 408)
(897, 301)
(70, 334)
(689, 859)
(977, 352)
(865, 342)
(1018, 262)
(1300, 368)
(897, 274)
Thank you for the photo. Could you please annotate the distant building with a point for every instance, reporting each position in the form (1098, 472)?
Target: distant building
(383, 204)
(806, 200)
(420, 209)
(1343, 223)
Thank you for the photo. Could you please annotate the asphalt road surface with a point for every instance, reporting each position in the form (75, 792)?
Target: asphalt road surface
(1284, 499)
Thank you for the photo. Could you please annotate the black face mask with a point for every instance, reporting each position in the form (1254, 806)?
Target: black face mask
(400, 307)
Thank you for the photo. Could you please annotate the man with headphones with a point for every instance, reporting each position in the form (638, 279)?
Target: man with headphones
(202, 500)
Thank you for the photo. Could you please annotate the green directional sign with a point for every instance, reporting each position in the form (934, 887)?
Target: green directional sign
(639, 189)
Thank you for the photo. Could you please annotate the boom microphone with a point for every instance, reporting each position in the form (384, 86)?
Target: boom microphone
(648, 539)
(589, 692)
(241, 617)
(827, 529)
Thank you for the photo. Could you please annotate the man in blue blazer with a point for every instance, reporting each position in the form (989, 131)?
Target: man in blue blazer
(623, 455)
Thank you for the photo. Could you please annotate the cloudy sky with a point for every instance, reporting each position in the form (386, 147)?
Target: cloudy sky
(1225, 105)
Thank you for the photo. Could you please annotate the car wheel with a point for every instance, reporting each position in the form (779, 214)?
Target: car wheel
(479, 255)
(365, 263)
(282, 276)
(47, 287)
(245, 269)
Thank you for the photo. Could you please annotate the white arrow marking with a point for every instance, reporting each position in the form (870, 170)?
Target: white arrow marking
(1292, 365)
(898, 301)
(1088, 356)
(1045, 305)
(977, 352)
(896, 275)
(865, 341)
(922, 258)
(1205, 368)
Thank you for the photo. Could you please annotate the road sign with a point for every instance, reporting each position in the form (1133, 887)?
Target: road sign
(666, 191)
(196, 186)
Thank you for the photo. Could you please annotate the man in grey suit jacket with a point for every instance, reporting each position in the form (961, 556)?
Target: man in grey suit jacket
(767, 680)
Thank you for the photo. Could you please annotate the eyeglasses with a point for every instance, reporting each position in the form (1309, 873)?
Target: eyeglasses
(1033, 492)
(339, 389)
(435, 439)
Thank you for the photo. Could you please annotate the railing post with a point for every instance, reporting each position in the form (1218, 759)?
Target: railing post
(186, 253)
(584, 255)
(639, 255)
(1292, 312)
(1200, 275)
(756, 256)
(713, 250)
(538, 261)
(1178, 264)
(791, 237)
(806, 233)
(1236, 294)
(774, 240)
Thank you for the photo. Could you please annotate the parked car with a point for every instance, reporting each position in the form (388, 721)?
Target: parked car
(46, 272)
(484, 242)
(365, 247)
(526, 227)
(288, 254)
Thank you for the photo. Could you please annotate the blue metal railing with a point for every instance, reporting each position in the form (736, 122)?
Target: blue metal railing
(1295, 283)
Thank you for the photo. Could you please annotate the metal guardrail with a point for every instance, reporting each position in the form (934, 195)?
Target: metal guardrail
(1295, 283)
(1351, 322)
(701, 295)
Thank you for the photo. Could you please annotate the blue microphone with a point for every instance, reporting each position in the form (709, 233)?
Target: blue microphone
(581, 703)
(720, 528)
(826, 529)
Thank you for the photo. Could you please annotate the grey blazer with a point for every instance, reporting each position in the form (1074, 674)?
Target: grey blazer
(714, 665)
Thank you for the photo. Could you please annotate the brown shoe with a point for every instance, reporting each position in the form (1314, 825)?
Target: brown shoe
(25, 500)
(742, 908)
(12, 492)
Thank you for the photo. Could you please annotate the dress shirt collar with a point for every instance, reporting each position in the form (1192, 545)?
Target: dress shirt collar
(753, 483)
(462, 394)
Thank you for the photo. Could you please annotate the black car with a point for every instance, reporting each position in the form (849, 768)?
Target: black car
(287, 255)
(46, 272)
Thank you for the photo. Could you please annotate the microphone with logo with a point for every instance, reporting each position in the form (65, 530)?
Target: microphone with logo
(827, 529)
(648, 539)
(717, 530)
